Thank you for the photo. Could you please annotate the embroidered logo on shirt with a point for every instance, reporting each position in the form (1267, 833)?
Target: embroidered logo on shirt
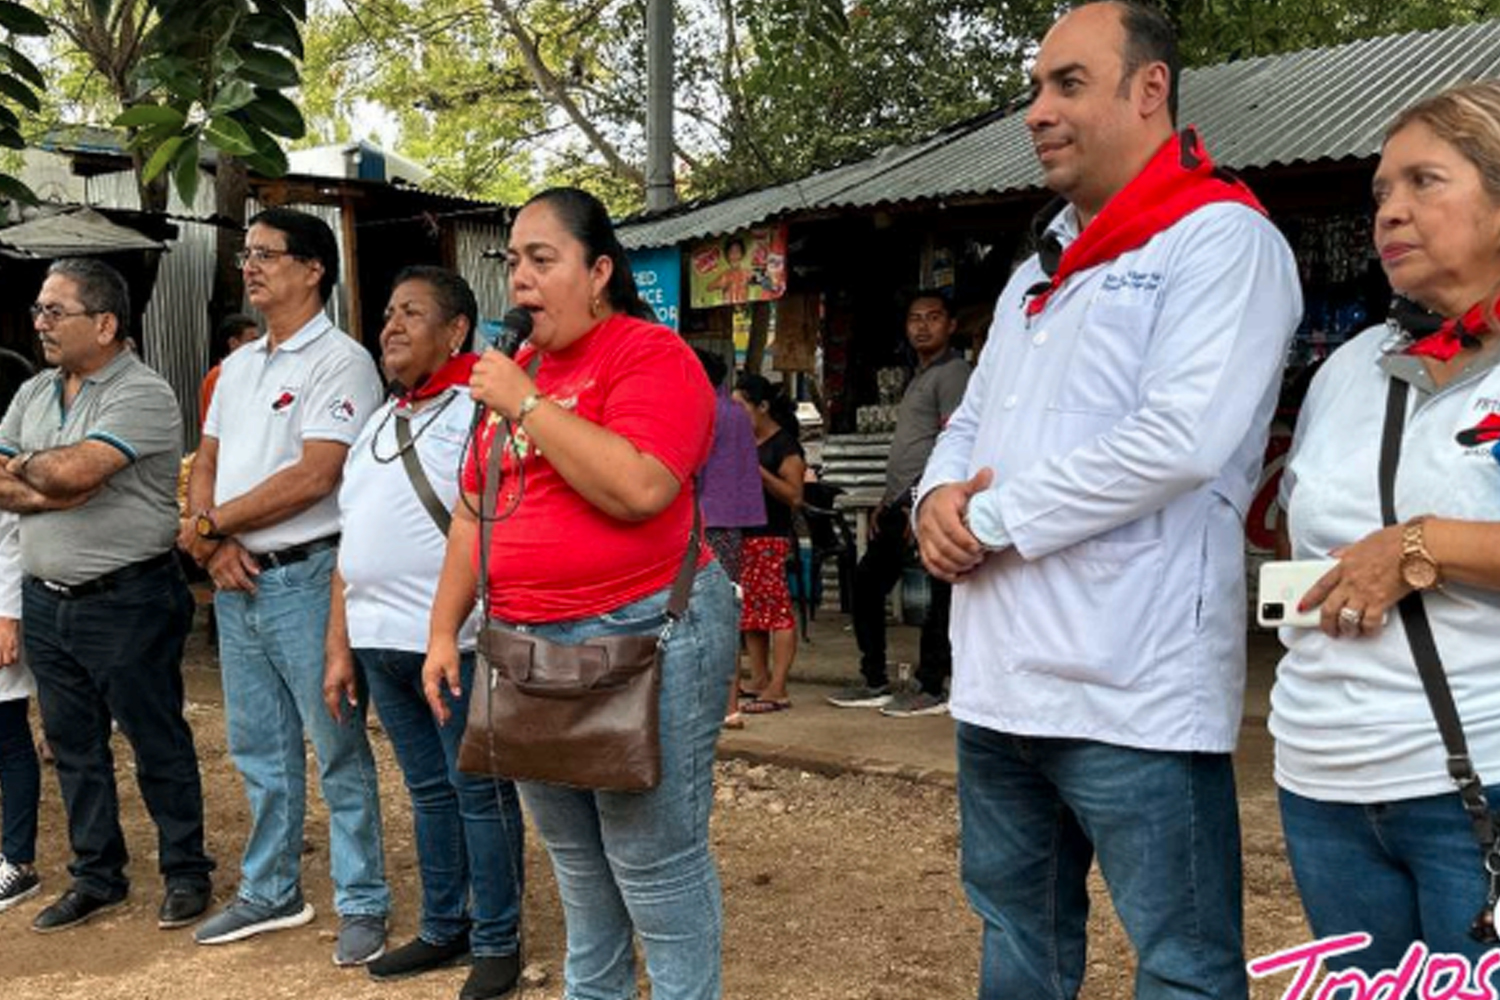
(1484, 432)
(283, 401)
(1136, 281)
(342, 409)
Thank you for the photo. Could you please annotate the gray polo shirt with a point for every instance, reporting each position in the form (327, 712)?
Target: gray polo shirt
(931, 396)
(133, 517)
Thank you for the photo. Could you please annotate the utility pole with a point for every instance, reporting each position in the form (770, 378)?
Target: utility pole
(661, 187)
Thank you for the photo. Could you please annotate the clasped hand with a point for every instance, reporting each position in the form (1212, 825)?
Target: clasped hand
(1367, 581)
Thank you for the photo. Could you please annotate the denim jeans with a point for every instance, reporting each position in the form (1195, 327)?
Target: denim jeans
(20, 783)
(118, 655)
(1400, 871)
(469, 831)
(1165, 826)
(271, 654)
(878, 571)
(640, 861)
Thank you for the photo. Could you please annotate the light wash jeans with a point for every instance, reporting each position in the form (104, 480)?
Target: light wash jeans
(628, 861)
(271, 656)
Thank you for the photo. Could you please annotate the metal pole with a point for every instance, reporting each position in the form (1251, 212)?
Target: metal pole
(661, 188)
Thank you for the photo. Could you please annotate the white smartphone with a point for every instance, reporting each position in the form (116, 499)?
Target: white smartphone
(1282, 586)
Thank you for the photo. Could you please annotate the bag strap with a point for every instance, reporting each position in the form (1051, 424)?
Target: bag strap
(1424, 651)
(441, 516)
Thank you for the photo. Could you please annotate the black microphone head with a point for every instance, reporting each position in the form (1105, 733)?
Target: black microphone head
(515, 327)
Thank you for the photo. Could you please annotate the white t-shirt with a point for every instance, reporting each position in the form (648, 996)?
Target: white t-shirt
(1350, 719)
(15, 681)
(391, 553)
(319, 385)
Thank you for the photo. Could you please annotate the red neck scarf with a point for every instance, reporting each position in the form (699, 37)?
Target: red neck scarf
(455, 371)
(1179, 179)
(1455, 334)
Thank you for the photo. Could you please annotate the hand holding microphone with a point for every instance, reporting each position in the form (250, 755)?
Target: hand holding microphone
(497, 382)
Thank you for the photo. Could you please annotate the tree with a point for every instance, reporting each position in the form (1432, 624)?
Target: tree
(21, 84)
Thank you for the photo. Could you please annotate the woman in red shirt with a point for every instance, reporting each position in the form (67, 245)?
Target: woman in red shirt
(595, 509)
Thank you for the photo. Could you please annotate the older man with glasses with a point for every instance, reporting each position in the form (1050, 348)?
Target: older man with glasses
(266, 527)
(93, 445)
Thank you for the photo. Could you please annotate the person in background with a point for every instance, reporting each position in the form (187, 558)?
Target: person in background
(20, 774)
(607, 437)
(1378, 838)
(235, 331)
(107, 610)
(394, 527)
(1087, 500)
(769, 627)
(931, 396)
(265, 526)
(729, 490)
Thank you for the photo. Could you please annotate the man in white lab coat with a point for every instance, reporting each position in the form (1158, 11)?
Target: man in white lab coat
(1087, 499)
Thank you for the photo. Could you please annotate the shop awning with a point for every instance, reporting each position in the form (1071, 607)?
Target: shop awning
(1316, 105)
(77, 232)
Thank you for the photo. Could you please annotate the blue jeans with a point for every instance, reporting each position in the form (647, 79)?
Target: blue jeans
(1400, 871)
(271, 653)
(20, 783)
(1165, 826)
(640, 861)
(118, 655)
(469, 830)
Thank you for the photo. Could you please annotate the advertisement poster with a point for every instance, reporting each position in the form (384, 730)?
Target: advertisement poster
(747, 266)
(658, 277)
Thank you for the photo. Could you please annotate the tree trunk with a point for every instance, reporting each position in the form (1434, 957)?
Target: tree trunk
(231, 192)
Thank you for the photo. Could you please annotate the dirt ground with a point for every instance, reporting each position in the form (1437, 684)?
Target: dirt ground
(839, 888)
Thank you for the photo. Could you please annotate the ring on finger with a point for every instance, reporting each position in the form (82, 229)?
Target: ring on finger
(1350, 619)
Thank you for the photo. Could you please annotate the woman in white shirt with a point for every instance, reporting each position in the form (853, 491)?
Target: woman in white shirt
(1378, 837)
(20, 776)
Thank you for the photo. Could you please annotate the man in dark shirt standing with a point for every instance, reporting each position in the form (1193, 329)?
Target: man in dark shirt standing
(932, 395)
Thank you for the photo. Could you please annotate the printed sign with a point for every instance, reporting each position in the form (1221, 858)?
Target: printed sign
(658, 277)
(747, 266)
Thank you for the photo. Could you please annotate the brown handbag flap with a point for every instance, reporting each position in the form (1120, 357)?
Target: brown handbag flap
(549, 669)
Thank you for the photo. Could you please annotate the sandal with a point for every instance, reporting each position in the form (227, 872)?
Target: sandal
(765, 706)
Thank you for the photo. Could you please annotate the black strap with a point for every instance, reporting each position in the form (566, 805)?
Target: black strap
(441, 515)
(677, 601)
(1419, 635)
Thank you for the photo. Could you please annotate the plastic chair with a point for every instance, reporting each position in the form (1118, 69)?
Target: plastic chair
(826, 535)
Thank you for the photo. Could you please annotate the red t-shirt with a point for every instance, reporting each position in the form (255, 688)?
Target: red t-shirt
(558, 557)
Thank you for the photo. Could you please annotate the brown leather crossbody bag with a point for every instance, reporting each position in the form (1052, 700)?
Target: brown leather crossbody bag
(584, 715)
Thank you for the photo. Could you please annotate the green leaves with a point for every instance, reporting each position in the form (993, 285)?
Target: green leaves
(274, 113)
(17, 20)
(150, 116)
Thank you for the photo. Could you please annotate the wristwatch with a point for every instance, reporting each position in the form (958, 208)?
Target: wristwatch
(528, 404)
(206, 527)
(1418, 569)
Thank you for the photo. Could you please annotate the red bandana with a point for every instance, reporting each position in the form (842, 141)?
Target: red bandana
(1179, 180)
(1454, 335)
(455, 371)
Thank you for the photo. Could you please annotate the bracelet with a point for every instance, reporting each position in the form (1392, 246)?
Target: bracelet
(528, 404)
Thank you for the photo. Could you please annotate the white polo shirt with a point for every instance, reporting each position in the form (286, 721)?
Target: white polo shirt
(1126, 426)
(320, 385)
(15, 681)
(392, 552)
(1350, 719)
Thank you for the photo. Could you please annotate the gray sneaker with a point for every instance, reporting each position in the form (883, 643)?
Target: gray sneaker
(361, 940)
(861, 696)
(242, 919)
(908, 703)
(17, 883)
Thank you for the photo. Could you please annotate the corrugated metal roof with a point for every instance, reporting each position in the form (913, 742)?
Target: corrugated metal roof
(1300, 107)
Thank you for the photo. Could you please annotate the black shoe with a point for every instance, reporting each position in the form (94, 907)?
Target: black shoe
(492, 976)
(418, 956)
(71, 909)
(184, 904)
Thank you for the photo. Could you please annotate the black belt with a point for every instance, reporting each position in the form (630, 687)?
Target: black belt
(110, 580)
(295, 553)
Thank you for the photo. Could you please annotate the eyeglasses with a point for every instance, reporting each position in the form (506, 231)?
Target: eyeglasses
(55, 313)
(262, 255)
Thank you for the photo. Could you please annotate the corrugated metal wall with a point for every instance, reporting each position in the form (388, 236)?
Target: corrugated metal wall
(486, 275)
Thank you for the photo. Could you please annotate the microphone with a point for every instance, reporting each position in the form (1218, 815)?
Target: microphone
(515, 327)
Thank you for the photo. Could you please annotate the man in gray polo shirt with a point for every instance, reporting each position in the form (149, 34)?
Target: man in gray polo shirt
(266, 525)
(932, 395)
(92, 448)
